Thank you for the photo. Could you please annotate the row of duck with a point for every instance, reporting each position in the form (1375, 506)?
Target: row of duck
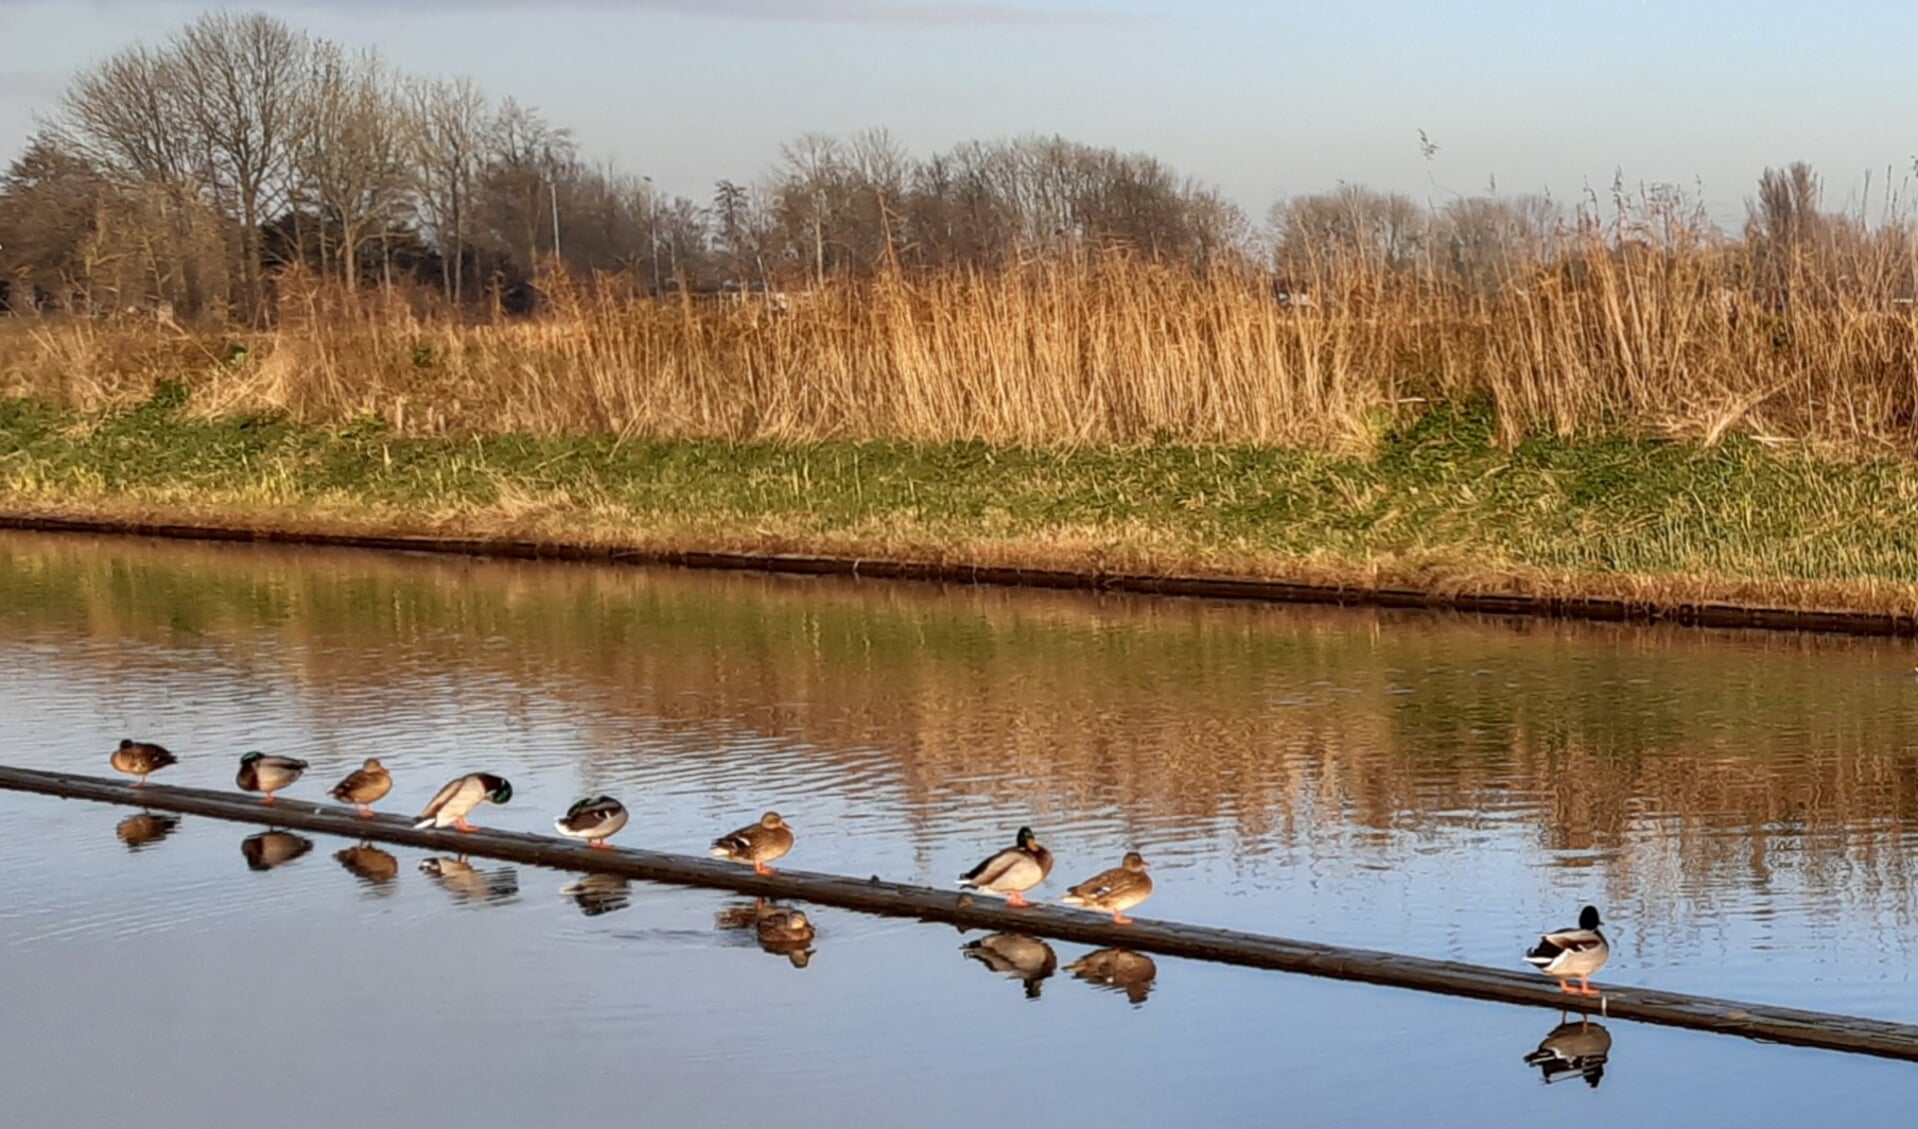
(595, 819)
(1576, 1049)
(1573, 953)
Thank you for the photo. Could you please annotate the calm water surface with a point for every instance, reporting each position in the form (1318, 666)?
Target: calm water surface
(1742, 806)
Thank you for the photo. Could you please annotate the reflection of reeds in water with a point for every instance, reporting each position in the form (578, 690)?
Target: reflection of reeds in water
(470, 885)
(1119, 970)
(269, 849)
(143, 829)
(1679, 760)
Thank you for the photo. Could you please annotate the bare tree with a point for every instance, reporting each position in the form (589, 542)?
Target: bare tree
(241, 84)
(353, 158)
(452, 119)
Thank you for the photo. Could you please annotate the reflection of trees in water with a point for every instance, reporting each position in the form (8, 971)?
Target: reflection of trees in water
(1678, 760)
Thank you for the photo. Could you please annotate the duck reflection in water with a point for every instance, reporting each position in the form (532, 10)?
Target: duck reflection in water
(470, 885)
(1118, 970)
(269, 849)
(371, 865)
(143, 829)
(595, 894)
(1573, 1050)
(780, 931)
(1016, 955)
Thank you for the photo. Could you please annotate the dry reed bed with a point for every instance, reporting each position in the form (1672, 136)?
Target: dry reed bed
(1071, 351)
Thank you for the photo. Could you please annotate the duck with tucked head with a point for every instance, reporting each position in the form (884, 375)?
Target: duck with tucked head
(262, 773)
(141, 759)
(1012, 871)
(364, 786)
(450, 806)
(595, 820)
(757, 843)
(1572, 953)
(1114, 891)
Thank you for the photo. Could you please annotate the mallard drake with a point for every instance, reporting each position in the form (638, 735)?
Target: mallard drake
(1116, 890)
(468, 883)
(595, 894)
(364, 786)
(369, 864)
(594, 820)
(141, 759)
(1573, 1050)
(1014, 954)
(142, 828)
(269, 849)
(449, 807)
(1012, 871)
(757, 843)
(262, 773)
(1573, 952)
(1121, 970)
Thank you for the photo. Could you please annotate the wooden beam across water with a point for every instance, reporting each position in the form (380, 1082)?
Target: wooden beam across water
(873, 895)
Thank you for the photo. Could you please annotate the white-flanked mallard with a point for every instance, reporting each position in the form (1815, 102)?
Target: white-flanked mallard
(757, 843)
(262, 773)
(449, 807)
(141, 759)
(1012, 871)
(595, 820)
(364, 786)
(1116, 890)
(1573, 1050)
(1572, 953)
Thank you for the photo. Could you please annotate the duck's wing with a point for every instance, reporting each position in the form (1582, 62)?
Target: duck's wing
(993, 868)
(443, 797)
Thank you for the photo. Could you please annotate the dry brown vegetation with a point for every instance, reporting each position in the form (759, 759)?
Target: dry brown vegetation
(1667, 341)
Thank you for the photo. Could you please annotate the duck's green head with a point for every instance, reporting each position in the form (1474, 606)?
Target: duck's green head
(249, 758)
(1588, 918)
(498, 788)
(1027, 840)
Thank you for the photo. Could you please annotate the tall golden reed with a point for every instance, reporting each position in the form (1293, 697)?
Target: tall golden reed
(1677, 342)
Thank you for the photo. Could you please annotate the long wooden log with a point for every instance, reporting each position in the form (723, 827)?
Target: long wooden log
(1252, 588)
(874, 895)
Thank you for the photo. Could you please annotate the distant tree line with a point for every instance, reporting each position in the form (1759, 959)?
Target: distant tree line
(191, 174)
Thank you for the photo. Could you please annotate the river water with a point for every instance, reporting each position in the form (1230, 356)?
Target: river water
(1742, 807)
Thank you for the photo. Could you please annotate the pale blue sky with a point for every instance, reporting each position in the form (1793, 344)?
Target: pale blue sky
(1262, 99)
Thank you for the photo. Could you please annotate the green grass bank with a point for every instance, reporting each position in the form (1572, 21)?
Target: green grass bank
(1439, 506)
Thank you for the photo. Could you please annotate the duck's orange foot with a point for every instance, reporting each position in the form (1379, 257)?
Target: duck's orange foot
(1017, 900)
(600, 845)
(140, 783)
(365, 812)
(1121, 919)
(762, 868)
(268, 799)
(462, 825)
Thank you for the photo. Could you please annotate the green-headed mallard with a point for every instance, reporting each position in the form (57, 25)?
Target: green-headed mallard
(262, 773)
(141, 759)
(449, 807)
(1573, 1050)
(269, 849)
(758, 843)
(1012, 871)
(142, 828)
(595, 820)
(1115, 891)
(1572, 953)
(364, 786)
(1015, 954)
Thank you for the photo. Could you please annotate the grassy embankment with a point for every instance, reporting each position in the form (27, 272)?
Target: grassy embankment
(1604, 439)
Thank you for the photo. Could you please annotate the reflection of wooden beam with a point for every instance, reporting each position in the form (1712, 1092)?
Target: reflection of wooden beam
(872, 895)
(1257, 589)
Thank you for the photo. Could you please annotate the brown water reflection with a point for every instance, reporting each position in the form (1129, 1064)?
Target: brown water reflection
(269, 849)
(143, 829)
(1718, 793)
